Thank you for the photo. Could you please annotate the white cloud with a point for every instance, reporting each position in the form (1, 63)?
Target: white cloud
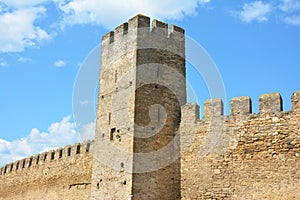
(100, 12)
(22, 3)
(291, 9)
(59, 134)
(3, 145)
(18, 30)
(24, 60)
(289, 5)
(256, 10)
(204, 2)
(3, 63)
(292, 20)
(59, 63)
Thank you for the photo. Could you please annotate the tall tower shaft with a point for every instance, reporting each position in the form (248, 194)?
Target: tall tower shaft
(142, 87)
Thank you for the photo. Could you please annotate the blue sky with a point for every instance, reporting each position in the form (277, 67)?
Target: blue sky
(254, 44)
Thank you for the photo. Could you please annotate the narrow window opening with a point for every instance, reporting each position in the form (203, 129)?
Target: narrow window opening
(60, 153)
(112, 131)
(11, 167)
(125, 28)
(156, 86)
(52, 155)
(111, 38)
(102, 97)
(124, 182)
(38, 159)
(88, 147)
(78, 149)
(116, 75)
(45, 157)
(158, 115)
(109, 118)
(122, 167)
(23, 165)
(5, 168)
(30, 162)
(69, 151)
(17, 166)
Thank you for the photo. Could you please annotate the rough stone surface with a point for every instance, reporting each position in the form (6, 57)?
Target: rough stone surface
(213, 107)
(253, 156)
(240, 106)
(142, 109)
(270, 103)
(56, 176)
(142, 86)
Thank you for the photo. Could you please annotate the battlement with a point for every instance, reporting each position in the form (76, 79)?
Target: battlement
(68, 152)
(140, 24)
(242, 106)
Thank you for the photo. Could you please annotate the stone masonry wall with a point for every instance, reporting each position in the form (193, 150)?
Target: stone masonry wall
(244, 155)
(61, 174)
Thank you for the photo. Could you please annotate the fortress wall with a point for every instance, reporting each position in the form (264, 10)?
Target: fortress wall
(64, 173)
(243, 155)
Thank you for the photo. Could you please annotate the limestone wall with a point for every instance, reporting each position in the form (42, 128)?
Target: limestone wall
(61, 174)
(244, 155)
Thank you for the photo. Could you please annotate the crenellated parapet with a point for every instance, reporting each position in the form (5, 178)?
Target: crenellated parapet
(242, 106)
(221, 133)
(68, 152)
(139, 26)
(138, 34)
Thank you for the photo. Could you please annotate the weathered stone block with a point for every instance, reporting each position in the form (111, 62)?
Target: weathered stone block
(270, 103)
(213, 107)
(240, 106)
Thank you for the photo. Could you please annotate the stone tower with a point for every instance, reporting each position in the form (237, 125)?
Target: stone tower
(142, 88)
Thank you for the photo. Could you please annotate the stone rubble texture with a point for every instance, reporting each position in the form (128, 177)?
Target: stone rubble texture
(241, 156)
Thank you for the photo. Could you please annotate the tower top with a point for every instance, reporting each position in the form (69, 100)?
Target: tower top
(142, 22)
